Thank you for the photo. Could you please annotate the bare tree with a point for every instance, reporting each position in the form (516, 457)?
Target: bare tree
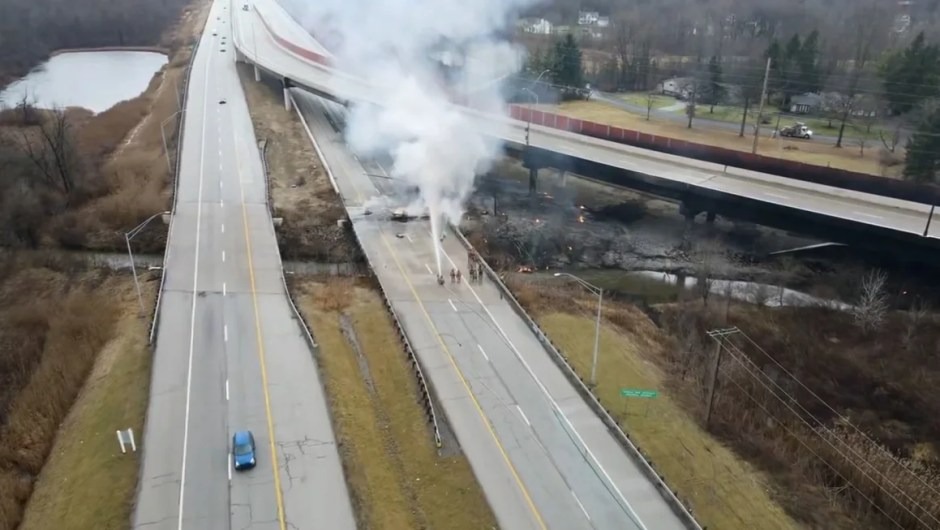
(650, 100)
(709, 261)
(872, 307)
(50, 147)
(917, 314)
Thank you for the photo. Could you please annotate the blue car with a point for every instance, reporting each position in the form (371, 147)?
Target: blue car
(243, 450)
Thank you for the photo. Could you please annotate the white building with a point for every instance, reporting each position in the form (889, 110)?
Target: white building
(538, 26)
(588, 18)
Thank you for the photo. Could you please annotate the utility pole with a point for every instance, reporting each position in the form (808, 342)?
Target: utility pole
(719, 336)
(760, 109)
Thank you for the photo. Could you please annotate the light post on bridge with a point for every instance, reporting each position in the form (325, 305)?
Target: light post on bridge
(528, 125)
(597, 324)
(169, 167)
(130, 255)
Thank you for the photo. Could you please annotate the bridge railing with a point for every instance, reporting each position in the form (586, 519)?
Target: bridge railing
(155, 320)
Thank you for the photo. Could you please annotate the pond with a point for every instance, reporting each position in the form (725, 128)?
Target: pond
(95, 80)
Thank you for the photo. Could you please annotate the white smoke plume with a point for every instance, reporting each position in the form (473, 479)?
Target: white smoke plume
(400, 45)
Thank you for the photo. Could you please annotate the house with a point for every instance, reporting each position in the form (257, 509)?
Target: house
(678, 87)
(807, 103)
(537, 26)
(561, 29)
(603, 22)
(588, 18)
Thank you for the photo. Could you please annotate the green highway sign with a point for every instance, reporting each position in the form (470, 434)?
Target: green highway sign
(635, 393)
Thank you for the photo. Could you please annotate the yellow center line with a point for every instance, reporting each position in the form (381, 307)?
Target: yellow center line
(261, 356)
(460, 375)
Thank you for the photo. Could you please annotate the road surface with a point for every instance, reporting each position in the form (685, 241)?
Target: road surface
(543, 458)
(857, 207)
(229, 355)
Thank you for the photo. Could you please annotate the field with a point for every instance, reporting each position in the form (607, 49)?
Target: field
(850, 157)
(49, 344)
(395, 473)
(758, 465)
(724, 491)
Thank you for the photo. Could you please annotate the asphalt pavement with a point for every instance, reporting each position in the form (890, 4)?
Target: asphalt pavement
(543, 458)
(229, 354)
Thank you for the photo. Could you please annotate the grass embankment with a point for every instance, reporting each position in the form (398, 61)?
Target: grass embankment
(61, 322)
(396, 476)
(300, 189)
(723, 490)
(757, 458)
(809, 152)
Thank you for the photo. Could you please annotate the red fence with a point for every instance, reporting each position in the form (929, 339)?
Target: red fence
(924, 193)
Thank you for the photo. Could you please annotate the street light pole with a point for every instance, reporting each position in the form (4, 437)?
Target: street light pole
(528, 124)
(130, 254)
(166, 151)
(597, 322)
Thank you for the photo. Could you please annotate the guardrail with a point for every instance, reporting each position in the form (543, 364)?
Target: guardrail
(155, 320)
(267, 181)
(646, 465)
(424, 387)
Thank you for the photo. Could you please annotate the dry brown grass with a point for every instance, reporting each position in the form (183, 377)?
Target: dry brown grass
(56, 321)
(396, 477)
(124, 145)
(724, 490)
(87, 483)
(299, 187)
(808, 152)
(867, 377)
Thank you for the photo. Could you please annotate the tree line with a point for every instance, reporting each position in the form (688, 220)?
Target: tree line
(869, 61)
(30, 30)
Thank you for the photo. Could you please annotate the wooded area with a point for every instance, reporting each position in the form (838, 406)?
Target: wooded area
(872, 66)
(31, 30)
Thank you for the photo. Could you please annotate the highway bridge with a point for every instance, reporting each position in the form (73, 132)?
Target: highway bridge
(286, 51)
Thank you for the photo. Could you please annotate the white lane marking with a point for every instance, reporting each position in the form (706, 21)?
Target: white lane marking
(221, 184)
(426, 266)
(870, 216)
(577, 500)
(451, 302)
(221, 203)
(555, 406)
(526, 420)
(223, 256)
(226, 390)
(225, 336)
(408, 237)
(223, 288)
(228, 464)
(223, 228)
(192, 317)
(485, 356)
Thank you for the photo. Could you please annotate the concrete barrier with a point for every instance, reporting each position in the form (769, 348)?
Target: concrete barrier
(155, 320)
(646, 465)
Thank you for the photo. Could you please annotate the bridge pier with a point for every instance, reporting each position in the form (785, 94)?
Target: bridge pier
(257, 73)
(564, 178)
(286, 84)
(533, 180)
